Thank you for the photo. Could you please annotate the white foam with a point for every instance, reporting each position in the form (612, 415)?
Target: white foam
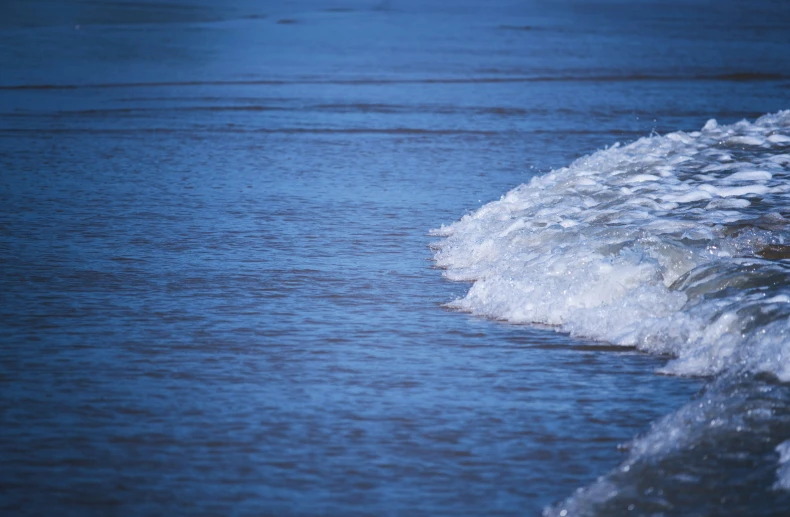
(750, 176)
(734, 191)
(726, 420)
(783, 472)
(597, 248)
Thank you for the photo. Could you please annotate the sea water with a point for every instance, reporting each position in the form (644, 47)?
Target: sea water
(223, 228)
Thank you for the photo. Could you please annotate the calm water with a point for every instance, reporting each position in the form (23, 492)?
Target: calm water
(216, 291)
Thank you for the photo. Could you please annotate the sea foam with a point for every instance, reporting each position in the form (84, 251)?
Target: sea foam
(677, 245)
(673, 244)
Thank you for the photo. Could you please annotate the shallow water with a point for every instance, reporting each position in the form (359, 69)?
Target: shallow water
(216, 291)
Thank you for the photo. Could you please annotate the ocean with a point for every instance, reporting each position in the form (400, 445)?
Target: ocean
(393, 257)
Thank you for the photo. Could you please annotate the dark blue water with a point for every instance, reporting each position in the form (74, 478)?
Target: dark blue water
(216, 292)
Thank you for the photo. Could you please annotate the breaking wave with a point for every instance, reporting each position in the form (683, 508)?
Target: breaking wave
(676, 245)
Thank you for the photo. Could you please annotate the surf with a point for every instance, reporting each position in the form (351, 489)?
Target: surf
(675, 244)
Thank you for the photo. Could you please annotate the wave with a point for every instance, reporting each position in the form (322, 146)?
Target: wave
(675, 245)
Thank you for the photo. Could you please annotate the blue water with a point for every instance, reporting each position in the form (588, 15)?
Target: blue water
(216, 291)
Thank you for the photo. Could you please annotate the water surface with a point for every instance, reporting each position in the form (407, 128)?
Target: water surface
(216, 291)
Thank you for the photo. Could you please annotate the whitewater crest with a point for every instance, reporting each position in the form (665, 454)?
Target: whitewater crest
(674, 244)
(677, 245)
